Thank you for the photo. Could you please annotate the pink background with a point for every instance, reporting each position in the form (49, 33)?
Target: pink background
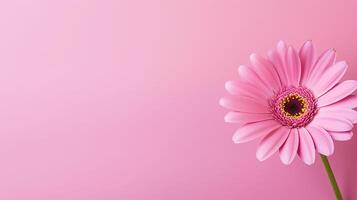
(105, 100)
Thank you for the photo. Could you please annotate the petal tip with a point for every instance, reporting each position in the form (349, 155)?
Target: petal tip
(253, 58)
(240, 69)
(236, 139)
(307, 45)
(310, 163)
(281, 43)
(227, 85)
(331, 51)
(261, 157)
(222, 102)
(252, 55)
(286, 162)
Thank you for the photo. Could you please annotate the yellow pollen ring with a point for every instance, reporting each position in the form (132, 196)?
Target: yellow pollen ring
(302, 101)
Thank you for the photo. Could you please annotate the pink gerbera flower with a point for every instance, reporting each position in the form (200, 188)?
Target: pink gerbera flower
(294, 101)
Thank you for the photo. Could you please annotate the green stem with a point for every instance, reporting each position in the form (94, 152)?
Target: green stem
(331, 177)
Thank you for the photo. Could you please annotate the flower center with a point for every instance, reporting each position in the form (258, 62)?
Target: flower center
(294, 107)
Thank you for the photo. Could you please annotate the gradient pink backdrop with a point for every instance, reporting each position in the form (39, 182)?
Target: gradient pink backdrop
(106, 100)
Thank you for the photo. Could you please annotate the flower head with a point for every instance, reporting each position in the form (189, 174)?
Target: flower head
(294, 101)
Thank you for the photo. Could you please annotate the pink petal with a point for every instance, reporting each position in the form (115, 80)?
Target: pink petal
(265, 71)
(241, 88)
(341, 136)
(247, 74)
(307, 58)
(293, 67)
(277, 57)
(340, 113)
(271, 143)
(289, 149)
(244, 118)
(332, 123)
(323, 141)
(328, 79)
(326, 60)
(243, 104)
(337, 93)
(347, 102)
(254, 130)
(282, 49)
(306, 149)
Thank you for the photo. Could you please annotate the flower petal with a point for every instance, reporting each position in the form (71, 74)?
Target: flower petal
(341, 113)
(341, 136)
(332, 123)
(323, 62)
(293, 67)
(241, 88)
(347, 102)
(243, 104)
(254, 130)
(265, 71)
(306, 149)
(244, 118)
(271, 143)
(328, 79)
(277, 57)
(247, 74)
(323, 141)
(289, 149)
(337, 93)
(307, 58)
